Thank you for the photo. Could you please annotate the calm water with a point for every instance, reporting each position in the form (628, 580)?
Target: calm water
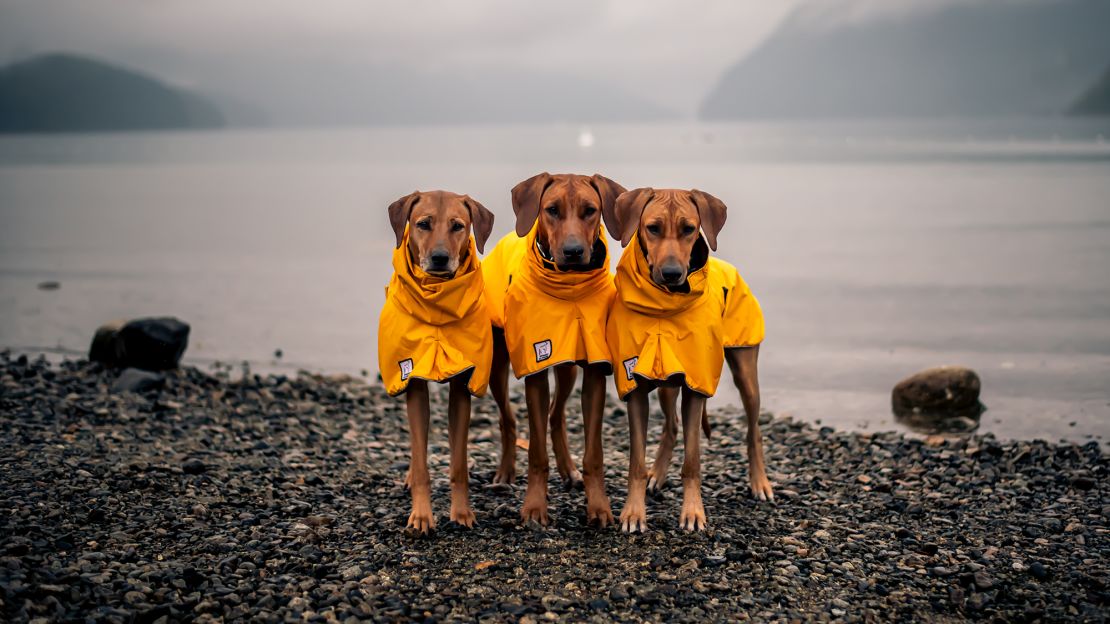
(876, 249)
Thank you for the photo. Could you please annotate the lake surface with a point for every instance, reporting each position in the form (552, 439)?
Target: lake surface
(876, 249)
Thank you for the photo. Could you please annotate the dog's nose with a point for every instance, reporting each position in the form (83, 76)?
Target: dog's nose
(573, 251)
(439, 259)
(671, 273)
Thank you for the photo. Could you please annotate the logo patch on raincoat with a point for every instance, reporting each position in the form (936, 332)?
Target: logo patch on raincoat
(630, 365)
(543, 350)
(406, 368)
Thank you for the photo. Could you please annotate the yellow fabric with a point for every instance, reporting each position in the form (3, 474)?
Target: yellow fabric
(549, 316)
(658, 334)
(497, 269)
(433, 328)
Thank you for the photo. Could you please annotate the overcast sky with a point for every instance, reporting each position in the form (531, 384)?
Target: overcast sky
(666, 52)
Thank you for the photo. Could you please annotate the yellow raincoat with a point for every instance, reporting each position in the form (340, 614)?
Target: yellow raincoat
(656, 334)
(549, 316)
(433, 328)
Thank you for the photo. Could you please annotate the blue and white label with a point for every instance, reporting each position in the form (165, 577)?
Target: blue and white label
(630, 365)
(543, 350)
(406, 368)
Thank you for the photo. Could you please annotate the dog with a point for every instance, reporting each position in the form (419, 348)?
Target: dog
(549, 290)
(434, 327)
(678, 315)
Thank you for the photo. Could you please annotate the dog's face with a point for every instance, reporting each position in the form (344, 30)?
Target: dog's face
(667, 222)
(439, 228)
(569, 209)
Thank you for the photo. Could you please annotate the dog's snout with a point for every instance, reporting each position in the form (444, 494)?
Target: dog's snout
(573, 250)
(671, 272)
(439, 258)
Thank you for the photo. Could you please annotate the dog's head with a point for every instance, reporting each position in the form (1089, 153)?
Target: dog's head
(439, 228)
(668, 222)
(569, 209)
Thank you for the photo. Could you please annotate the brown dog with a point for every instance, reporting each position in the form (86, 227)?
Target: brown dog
(667, 225)
(434, 327)
(549, 290)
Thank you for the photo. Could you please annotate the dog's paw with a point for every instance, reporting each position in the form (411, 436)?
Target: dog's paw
(534, 513)
(599, 514)
(421, 519)
(464, 516)
(634, 519)
(692, 517)
(761, 488)
(573, 481)
(505, 475)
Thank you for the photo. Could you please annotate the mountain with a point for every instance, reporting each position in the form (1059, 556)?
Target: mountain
(1096, 100)
(69, 93)
(986, 58)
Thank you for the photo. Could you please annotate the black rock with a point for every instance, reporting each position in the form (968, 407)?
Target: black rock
(1038, 571)
(152, 344)
(598, 604)
(193, 466)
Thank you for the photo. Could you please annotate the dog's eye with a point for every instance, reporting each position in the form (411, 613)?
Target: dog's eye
(552, 210)
(589, 211)
(457, 227)
(426, 224)
(654, 229)
(688, 229)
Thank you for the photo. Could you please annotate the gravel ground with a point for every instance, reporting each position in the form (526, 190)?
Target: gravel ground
(280, 498)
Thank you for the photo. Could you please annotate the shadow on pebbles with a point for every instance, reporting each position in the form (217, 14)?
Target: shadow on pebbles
(280, 499)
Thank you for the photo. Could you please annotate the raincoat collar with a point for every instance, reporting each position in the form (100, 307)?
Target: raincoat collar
(436, 300)
(641, 294)
(567, 285)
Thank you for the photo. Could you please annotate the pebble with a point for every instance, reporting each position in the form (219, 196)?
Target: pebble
(300, 515)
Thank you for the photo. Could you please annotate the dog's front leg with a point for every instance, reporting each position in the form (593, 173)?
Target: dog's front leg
(537, 395)
(593, 461)
(693, 513)
(668, 402)
(743, 362)
(634, 514)
(565, 376)
(499, 387)
(416, 401)
(458, 435)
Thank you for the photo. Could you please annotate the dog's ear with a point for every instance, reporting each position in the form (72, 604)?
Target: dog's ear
(627, 211)
(399, 212)
(481, 221)
(712, 212)
(526, 201)
(608, 190)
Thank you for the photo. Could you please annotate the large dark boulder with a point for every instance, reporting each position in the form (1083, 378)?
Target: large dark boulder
(942, 392)
(152, 344)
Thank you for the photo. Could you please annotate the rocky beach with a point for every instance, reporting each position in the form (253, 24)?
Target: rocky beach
(222, 495)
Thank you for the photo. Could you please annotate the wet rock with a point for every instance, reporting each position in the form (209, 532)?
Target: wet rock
(943, 392)
(152, 344)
